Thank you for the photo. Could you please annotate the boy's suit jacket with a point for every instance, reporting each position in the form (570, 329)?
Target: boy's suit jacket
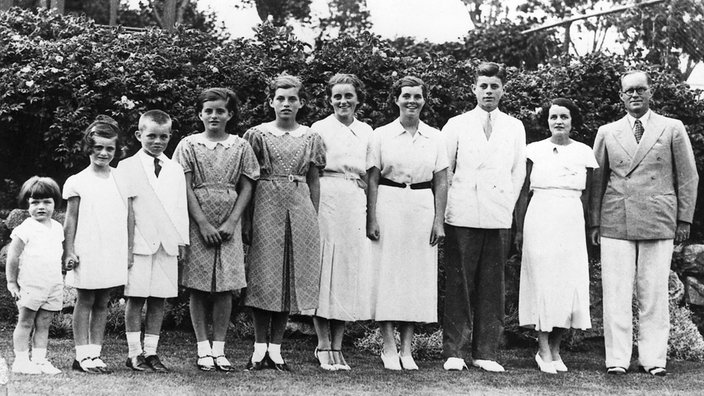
(641, 190)
(161, 213)
(485, 175)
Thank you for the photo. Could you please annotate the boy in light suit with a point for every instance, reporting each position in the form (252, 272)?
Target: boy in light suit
(159, 227)
(643, 198)
(486, 148)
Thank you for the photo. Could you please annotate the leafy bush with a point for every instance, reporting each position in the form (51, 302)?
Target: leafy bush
(425, 346)
(685, 340)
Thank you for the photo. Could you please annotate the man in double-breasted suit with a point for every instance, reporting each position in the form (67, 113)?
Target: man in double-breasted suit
(645, 191)
(486, 148)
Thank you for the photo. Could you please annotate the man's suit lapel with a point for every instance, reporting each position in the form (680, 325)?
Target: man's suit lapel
(653, 129)
(624, 136)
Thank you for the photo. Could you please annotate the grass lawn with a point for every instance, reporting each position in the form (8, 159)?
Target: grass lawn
(177, 350)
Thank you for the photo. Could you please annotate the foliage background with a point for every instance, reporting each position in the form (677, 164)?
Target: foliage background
(58, 72)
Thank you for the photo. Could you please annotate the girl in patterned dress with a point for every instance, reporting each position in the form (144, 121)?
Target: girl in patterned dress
(220, 171)
(283, 271)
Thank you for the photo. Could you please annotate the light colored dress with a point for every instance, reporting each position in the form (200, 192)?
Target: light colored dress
(216, 168)
(101, 232)
(405, 263)
(554, 287)
(346, 278)
(283, 263)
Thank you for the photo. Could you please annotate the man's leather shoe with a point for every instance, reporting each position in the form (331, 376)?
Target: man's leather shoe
(156, 364)
(256, 366)
(137, 363)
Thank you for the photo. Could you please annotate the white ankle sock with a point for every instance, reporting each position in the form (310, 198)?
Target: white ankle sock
(38, 354)
(259, 351)
(204, 348)
(151, 341)
(22, 355)
(134, 344)
(275, 353)
(82, 352)
(95, 350)
(218, 348)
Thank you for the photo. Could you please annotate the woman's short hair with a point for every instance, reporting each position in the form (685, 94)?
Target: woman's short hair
(408, 81)
(285, 81)
(562, 102)
(232, 102)
(39, 188)
(105, 127)
(344, 78)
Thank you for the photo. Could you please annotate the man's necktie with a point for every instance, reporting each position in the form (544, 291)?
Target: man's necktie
(157, 167)
(638, 130)
(487, 126)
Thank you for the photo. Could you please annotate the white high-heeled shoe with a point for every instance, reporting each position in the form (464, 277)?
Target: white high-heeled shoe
(544, 367)
(391, 362)
(559, 366)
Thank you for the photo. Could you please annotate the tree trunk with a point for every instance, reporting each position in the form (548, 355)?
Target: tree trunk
(43, 4)
(169, 15)
(114, 4)
(568, 39)
(6, 4)
(58, 6)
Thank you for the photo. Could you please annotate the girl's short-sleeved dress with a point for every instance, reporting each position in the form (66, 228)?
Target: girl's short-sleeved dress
(405, 263)
(346, 279)
(101, 232)
(554, 286)
(283, 269)
(216, 168)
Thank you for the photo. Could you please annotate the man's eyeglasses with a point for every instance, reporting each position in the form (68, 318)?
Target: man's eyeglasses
(639, 90)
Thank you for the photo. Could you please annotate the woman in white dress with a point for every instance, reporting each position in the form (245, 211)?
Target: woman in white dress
(406, 171)
(554, 287)
(346, 279)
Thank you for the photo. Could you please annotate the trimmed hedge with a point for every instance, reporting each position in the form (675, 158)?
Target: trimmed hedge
(58, 72)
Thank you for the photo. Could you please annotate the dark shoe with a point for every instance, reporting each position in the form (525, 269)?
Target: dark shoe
(256, 366)
(137, 363)
(616, 370)
(156, 364)
(85, 366)
(222, 364)
(276, 366)
(101, 366)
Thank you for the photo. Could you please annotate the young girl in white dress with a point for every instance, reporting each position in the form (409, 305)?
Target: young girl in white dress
(96, 241)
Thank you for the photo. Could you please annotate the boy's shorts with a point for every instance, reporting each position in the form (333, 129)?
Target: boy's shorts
(153, 275)
(47, 298)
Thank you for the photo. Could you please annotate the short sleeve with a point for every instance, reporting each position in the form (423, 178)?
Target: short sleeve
(441, 161)
(317, 150)
(250, 166)
(532, 152)
(589, 158)
(21, 232)
(374, 150)
(184, 155)
(71, 188)
(254, 137)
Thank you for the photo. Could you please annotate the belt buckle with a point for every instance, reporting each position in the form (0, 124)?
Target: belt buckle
(291, 179)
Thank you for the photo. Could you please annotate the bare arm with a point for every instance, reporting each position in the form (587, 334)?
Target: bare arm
(244, 195)
(373, 175)
(522, 206)
(70, 225)
(587, 196)
(440, 197)
(313, 180)
(13, 267)
(209, 233)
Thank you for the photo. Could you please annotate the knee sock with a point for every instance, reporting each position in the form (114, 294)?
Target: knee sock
(151, 341)
(134, 344)
(259, 351)
(218, 348)
(38, 354)
(204, 348)
(275, 353)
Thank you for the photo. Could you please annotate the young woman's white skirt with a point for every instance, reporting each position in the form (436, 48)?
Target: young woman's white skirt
(405, 263)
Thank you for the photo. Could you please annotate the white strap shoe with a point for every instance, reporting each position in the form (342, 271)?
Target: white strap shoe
(454, 364)
(488, 365)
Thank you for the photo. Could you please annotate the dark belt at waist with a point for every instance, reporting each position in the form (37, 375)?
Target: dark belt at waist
(415, 186)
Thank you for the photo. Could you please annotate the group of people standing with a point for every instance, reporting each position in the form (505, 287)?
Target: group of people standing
(344, 224)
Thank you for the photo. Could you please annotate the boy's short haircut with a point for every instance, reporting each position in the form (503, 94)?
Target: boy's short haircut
(39, 188)
(491, 69)
(105, 127)
(229, 96)
(159, 117)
